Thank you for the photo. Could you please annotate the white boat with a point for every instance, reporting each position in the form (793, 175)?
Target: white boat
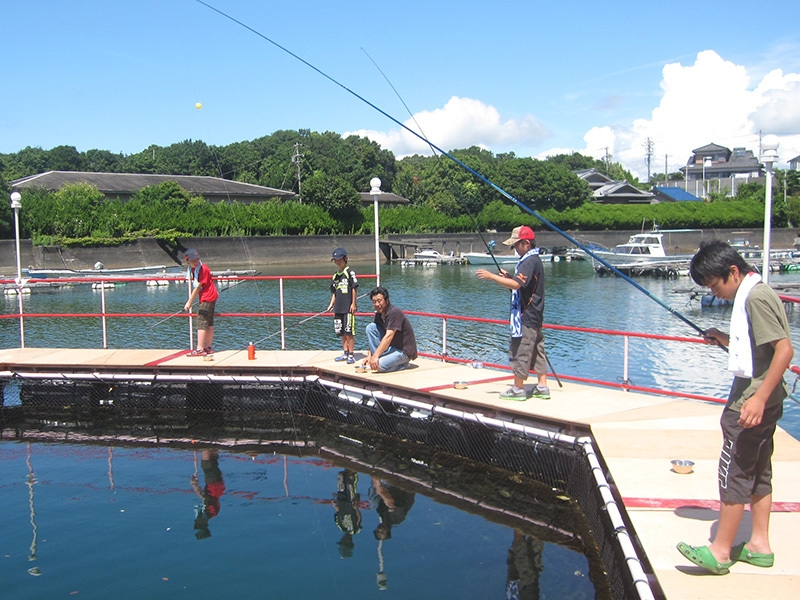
(429, 256)
(641, 250)
(97, 272)
(484, 258)
(546, 254)
(752, 253)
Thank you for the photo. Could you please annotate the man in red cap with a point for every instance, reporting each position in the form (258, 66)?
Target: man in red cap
(526, 350)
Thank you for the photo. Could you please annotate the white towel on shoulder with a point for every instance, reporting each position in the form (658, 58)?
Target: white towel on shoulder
(740, 353)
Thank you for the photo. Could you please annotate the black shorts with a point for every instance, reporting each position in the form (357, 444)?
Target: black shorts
(745, 463)
(344, 324)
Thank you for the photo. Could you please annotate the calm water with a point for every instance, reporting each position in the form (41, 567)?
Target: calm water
(97, 522)
(100, 522)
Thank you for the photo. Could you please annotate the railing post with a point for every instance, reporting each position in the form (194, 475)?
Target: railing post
(20, 285)
(283, 329)
(626, 341)
(103, 312)
(191, 325)
(444, 338)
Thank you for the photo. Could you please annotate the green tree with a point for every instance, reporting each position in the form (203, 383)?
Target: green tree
(334, 194)
(65, 158)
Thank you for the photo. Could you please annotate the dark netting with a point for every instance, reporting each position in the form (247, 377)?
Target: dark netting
(307, 413)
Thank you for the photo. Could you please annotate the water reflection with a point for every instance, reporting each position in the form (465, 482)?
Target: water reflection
(104, 521)
(347, 504)
(210, 494)
(102, 543)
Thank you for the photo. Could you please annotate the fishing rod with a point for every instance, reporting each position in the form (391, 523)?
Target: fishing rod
(491, 245)
(464, 166)
(314, 316)
(176, 313)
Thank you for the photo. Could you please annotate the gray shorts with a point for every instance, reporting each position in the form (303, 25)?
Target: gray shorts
(526, 353)
(745, 463)
(205, 315)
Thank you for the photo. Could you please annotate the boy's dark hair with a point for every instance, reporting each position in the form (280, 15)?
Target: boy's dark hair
(379, 290)
(715, 259)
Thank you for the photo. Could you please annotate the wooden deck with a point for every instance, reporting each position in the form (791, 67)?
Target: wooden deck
(636, 435)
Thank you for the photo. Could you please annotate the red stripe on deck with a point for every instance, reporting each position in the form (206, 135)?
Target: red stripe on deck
(434, 388)
(672, 503)
(164, 359)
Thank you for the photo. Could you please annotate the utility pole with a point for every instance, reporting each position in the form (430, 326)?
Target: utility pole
(666, 169)
(296, 158)
(608, 162)
(648, 155)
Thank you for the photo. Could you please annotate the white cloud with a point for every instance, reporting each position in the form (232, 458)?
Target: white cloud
(709, 101)
(460, 123)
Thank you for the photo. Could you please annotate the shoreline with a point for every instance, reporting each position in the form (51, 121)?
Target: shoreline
(249, 252)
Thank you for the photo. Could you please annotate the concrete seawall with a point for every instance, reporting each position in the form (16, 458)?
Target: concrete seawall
(266, 250)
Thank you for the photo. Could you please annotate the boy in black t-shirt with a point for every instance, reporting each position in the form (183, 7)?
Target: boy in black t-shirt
(344, 287)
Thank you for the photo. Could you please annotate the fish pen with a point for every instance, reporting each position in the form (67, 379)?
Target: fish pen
(532, 478)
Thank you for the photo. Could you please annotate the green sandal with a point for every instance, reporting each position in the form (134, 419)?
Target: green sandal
(702, 557)
(756, 559)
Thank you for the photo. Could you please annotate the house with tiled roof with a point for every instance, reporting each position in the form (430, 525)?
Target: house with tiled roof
(124, 185)
(794, 163)
(713, 161)
(608, 191)
(621, 192)
(594, 178)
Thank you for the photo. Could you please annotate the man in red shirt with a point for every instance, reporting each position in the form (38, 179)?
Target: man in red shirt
(204, 286)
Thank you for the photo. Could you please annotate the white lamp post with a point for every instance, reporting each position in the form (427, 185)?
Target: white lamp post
(706, 163)
(16, 204)
(769, 155)
(375, 184)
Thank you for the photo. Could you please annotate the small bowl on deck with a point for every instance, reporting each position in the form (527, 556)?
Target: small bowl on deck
(684, 467)
(361, 369)
(460, 385)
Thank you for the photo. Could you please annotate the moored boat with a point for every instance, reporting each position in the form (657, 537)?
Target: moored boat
(98, 271)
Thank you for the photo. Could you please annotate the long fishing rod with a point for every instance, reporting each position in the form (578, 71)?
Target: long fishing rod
(490, 245)
(464, 166)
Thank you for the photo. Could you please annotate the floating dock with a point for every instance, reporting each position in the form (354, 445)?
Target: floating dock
(635, 435)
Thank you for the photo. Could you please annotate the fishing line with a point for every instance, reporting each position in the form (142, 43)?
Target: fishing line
(490, 246)
(466, 167)
(293, 325)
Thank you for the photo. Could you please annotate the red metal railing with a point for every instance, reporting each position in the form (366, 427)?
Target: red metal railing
(282, 314)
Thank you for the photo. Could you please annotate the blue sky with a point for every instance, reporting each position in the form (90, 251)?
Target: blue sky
(530, 77)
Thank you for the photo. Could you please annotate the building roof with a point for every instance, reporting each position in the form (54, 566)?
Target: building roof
(126, 184)
(710, 148)
(621, 192)
(593, 177)
(674, 194)
(384, 198)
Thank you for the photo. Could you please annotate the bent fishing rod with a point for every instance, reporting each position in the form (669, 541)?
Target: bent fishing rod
(464, 166)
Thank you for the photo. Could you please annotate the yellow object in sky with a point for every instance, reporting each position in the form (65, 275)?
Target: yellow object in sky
(198, 106)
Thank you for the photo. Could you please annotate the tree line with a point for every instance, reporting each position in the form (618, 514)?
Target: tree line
(332, 171)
